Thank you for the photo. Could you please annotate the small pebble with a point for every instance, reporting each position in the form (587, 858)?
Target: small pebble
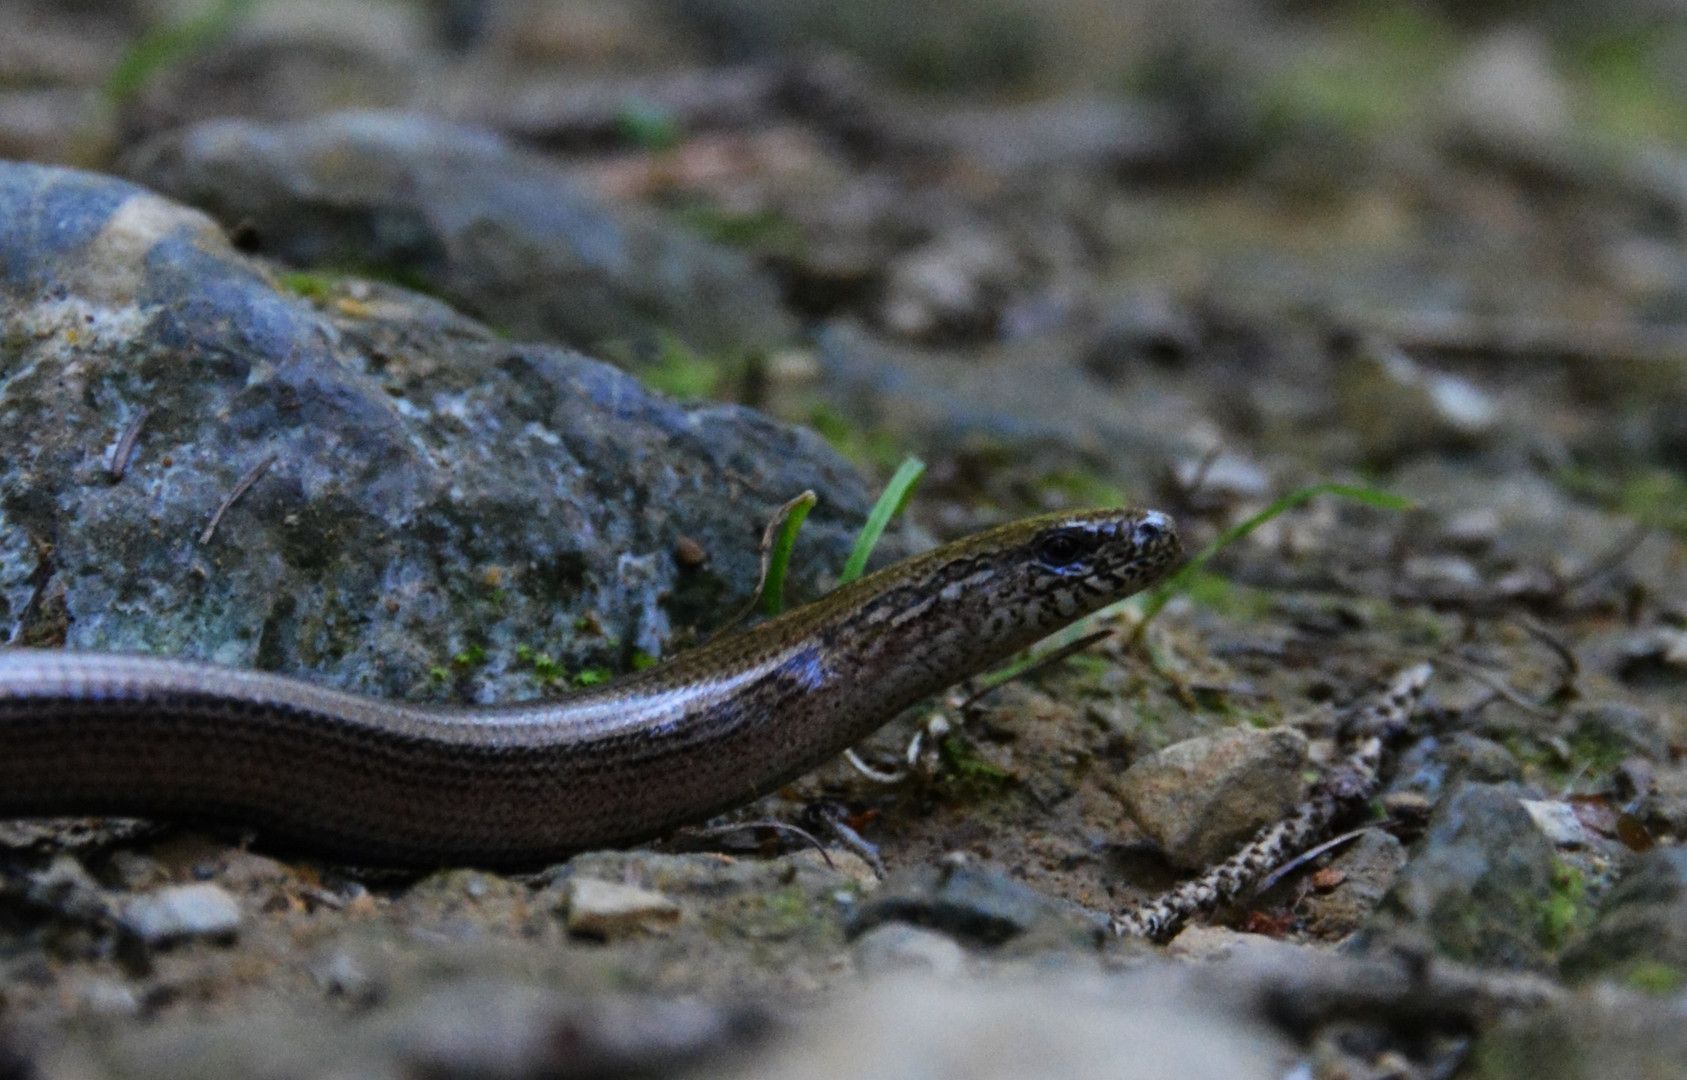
(106, 998)
(896, 946)
(1224, 479)
(342, 975)
(66, 887)
(1473, 530)
(1399, 408)
(183, 911)
(135, 871)
(1557, 820)
(689, 554)
(607, 909)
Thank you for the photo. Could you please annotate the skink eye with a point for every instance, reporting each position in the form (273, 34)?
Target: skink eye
(1060, 549)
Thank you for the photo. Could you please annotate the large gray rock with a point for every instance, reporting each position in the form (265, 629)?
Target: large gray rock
(504, 234)
(435, 493)
(1483, 885)
(1640, 937)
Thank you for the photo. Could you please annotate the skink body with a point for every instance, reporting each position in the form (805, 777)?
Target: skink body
(372, 781)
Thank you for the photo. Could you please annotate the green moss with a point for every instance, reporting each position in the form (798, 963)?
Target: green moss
(1564, 911)
(308, 283)
(165, 46)
(1149, 732)
(592, 676)
(647, 125)
(788, 903)
(1652, 977)
(680, 372)
(1370, 79)
(1593, 757)
(1426, 628)
(762, 231)
(543, 666)
(1625, 82)
(1541, 762)
(862, 446)
(473, 656)
(967, 776)
(1656, 496)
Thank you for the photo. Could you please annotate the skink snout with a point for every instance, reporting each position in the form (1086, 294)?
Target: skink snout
(1155, 530)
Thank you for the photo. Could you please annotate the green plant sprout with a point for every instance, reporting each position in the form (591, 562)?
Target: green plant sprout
(779, 559)
(891, 502)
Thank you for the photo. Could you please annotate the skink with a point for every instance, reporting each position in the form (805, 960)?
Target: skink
(381, 782)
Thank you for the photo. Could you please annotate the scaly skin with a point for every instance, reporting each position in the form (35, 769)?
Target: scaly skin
(379, 782)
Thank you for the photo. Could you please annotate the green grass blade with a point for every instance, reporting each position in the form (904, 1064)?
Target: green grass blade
(1159, 597)
(779, 558)
(891, 502)
(158, 48)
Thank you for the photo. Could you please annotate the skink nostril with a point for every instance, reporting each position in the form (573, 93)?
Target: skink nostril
(1153, 527)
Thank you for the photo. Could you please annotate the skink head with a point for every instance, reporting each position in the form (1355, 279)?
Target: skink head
(1078, 562)
(1005, 587)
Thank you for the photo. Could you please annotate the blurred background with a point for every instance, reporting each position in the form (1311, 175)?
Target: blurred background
(1171, 216)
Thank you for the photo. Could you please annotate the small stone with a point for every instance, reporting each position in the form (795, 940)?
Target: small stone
(689, 554)
(1364, 871)
(1654, 657)
(950, 284)
(1441, 572)
(1410, 806)
(134, 871)
(608, 909)
(1507, 92)
(344, 976)
(1441, 579)
(896, 946)
(1530, 583)
(507, 232)
(66, 888)
(106, 998)
(1557, 821)
(1398, 408)
(1200, 798)
(1665, 804)
(183, 911)
(969, 902)
(1215, 943)
(1227, 478)
(500, 1026)
(1471, 757)
(1145, 328)
(1473, 530)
